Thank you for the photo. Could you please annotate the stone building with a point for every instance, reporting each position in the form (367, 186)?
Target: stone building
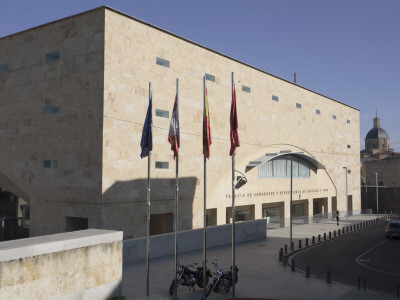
(378, 158)
(74, 97)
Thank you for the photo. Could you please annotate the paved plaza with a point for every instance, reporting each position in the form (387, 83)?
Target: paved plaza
(261, 275)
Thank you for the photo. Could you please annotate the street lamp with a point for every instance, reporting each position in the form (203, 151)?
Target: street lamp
(376, 182)
(291, 198)
(366, 192)
(347, 197)
(240, 180)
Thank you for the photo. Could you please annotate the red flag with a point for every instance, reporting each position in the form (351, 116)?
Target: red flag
(206, 130)
(234, 125)
(173, 135)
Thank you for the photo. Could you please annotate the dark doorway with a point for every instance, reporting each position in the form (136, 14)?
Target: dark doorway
(161, 223)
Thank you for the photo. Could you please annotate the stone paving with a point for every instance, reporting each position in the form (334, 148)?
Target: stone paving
(261, 275)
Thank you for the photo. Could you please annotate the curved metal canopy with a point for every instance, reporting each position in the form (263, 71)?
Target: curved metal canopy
(270, 156)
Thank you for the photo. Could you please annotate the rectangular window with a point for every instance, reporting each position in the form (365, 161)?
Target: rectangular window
(210, 77)
(348, 121)
(348, 171)
(298, 105)
(245, 89)
(162, 62)
(74, 223)
(52, 56)
(317, 111)
(275, 98)
(162, 113)
(334, 117)
(4, 68)
(50, 164)
(281, 167)
(51, 109)
(162, 165)
(348, 146)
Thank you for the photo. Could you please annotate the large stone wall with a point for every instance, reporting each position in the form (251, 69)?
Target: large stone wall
(265, 126)
(100, 83)
(388, 200)
(73, 136)
(83, 264)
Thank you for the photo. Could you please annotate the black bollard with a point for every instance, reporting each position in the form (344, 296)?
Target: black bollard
(324, 236)
(306, 242)
(293, 265)
(292, 246)
(334, 233)
(307, 271)
(338, 231)
(285, 249)
(280, 254)
(319, 238)
(299, 244)
(328, 277)
(330, 235)
(313, 239)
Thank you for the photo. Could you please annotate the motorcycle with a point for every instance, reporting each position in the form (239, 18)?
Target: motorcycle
(188, 277)
(221, 281)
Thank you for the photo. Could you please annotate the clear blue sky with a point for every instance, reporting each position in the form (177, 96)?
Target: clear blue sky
(345, 49)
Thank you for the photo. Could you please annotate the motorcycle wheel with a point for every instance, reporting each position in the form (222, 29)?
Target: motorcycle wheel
(172, 288)
(200, 281)
(208, 290)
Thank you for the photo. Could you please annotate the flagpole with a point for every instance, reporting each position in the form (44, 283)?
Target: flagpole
(233, 216)
(205, 193)
(148, 215)
(176, 195)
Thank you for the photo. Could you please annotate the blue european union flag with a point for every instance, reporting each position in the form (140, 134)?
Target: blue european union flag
(146, 142)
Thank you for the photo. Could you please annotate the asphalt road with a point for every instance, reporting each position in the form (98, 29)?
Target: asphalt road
(363, 253)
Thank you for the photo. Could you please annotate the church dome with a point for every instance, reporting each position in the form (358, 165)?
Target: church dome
(377, 138)
(377, 133)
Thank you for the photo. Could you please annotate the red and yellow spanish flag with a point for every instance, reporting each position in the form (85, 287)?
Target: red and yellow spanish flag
(173, 134)
(234, 125)
(206, 130)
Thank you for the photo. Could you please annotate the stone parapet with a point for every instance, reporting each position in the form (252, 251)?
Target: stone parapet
(191, 240)
(83, 264)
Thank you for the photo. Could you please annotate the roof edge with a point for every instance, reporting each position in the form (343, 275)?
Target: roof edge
(105, 7)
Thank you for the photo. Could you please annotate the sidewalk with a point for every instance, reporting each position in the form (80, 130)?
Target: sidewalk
(260, 273)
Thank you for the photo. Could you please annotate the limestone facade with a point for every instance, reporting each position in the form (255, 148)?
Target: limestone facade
(100, 84)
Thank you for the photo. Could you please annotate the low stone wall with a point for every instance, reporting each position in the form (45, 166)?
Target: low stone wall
(83, 264)
(191, 240)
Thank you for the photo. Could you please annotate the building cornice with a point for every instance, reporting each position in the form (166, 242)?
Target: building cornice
(181, 38)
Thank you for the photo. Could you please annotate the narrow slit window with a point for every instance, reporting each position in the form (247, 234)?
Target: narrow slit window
(317, 111)
(52, 56)
(51, 109)
(348, 146)
(334, 117)
(275, 98)
(348, 121)
(298, 105)
(50, 164)
(162, 165)
(162, 62)
(162, 113)
(210, 77)
(246, 89)
(4, 68)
